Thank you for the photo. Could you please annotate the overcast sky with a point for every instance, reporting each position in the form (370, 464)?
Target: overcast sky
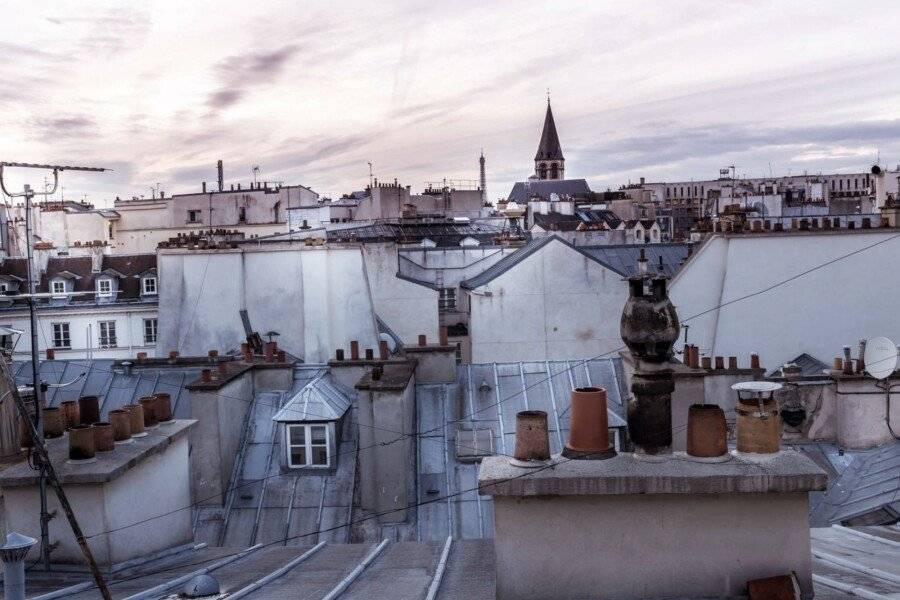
(312, 91)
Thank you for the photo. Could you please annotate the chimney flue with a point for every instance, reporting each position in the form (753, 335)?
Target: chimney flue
(532, 439)
(13, 555)
(589, 429)
(221, 172)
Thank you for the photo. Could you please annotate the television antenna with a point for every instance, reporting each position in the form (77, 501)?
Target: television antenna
(44, 465)
(880, 357)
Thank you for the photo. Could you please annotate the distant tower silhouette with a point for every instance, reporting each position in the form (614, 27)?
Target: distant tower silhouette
(482, 179)
(549, 162)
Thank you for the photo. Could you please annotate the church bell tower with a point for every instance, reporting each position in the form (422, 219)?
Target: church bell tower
(549, 162)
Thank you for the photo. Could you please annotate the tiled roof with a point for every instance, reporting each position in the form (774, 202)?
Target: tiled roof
(442, 233)
(522, 191)
(623, 259)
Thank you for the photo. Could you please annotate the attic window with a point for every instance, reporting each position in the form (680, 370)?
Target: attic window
(3, 288)
(148, 286)
(308, 446)
(58, 287)
(104, 288)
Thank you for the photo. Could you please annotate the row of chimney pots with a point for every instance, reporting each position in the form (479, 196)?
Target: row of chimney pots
(758, 432)
(88, 434)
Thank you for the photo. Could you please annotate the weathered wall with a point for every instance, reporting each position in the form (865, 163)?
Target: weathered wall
(383, 417)
(555, 304)
(215, 439)
(407, 308)
(799, 316)
(317, 299)
(702, 545)
(159, 484)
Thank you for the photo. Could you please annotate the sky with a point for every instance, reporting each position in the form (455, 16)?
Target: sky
(313, 91)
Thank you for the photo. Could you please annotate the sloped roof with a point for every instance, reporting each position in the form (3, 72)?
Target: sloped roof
(548, 147)
(322, 399)
(556, 221)
(623, 259)
(509, 261)
(866, 490)
(522, 191)
(810, 366)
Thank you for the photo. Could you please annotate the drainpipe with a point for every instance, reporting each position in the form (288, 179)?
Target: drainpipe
(13, 556)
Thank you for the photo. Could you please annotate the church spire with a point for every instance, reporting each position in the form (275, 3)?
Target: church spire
(549, 162)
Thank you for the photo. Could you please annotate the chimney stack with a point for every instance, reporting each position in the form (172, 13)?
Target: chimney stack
(221, 171)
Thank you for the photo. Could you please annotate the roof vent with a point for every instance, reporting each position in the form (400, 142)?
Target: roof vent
(201, 586)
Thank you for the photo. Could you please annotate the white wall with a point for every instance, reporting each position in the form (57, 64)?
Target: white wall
(409, 309)
(129, 330)
(316, 298)
(817, 313)
(555, 304)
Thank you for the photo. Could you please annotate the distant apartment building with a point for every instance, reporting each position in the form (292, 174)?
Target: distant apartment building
(390, 202)
(137, 225)
(96, 306)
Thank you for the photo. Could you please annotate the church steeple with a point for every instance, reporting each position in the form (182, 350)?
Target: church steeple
(549, 162)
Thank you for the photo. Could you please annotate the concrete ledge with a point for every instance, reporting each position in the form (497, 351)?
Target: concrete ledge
(430, 348)
(108, 466)
(789, 471)
(396, 376)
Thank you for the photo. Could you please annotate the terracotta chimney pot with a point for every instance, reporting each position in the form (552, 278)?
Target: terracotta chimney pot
(532, 438)
(589, 429)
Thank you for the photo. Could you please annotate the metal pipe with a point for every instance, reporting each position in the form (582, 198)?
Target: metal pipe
(553, 402)
(246, 590)
(854, 590)
(36, 377)
(855, 566)
(499, 410)
(439, 571)
(162, 588)
(346, 581)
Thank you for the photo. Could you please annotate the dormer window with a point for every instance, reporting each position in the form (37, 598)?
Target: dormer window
(3, 288)
(58, 287)
(148, 286)
(104, 287)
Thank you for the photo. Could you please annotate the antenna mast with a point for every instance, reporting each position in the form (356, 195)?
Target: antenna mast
(43, 461)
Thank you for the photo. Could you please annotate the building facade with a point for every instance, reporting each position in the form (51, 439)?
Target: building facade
(94, 307)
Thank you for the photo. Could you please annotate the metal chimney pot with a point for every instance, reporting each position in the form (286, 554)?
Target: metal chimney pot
(13, 555)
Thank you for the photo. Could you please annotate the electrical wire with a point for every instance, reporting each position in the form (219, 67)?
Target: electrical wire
(584, 361)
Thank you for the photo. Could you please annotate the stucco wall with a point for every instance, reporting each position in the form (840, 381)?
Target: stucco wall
(648, 546)
(555, 304)
(817, 313)
(221, 416)
(407, 308)
(317, 299)
(155, 486)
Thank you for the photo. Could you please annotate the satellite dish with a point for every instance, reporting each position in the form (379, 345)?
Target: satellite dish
(880, 357)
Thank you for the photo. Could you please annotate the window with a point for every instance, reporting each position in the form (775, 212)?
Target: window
(554, 171)
(3, 288)
(447, 300)
(193, 216)
(61, 337)
(104, 287)
(107, 334)
(149, 331)
(148, 285)
(58, 287)
(242, 214)
(308, 446)
(542, 171)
